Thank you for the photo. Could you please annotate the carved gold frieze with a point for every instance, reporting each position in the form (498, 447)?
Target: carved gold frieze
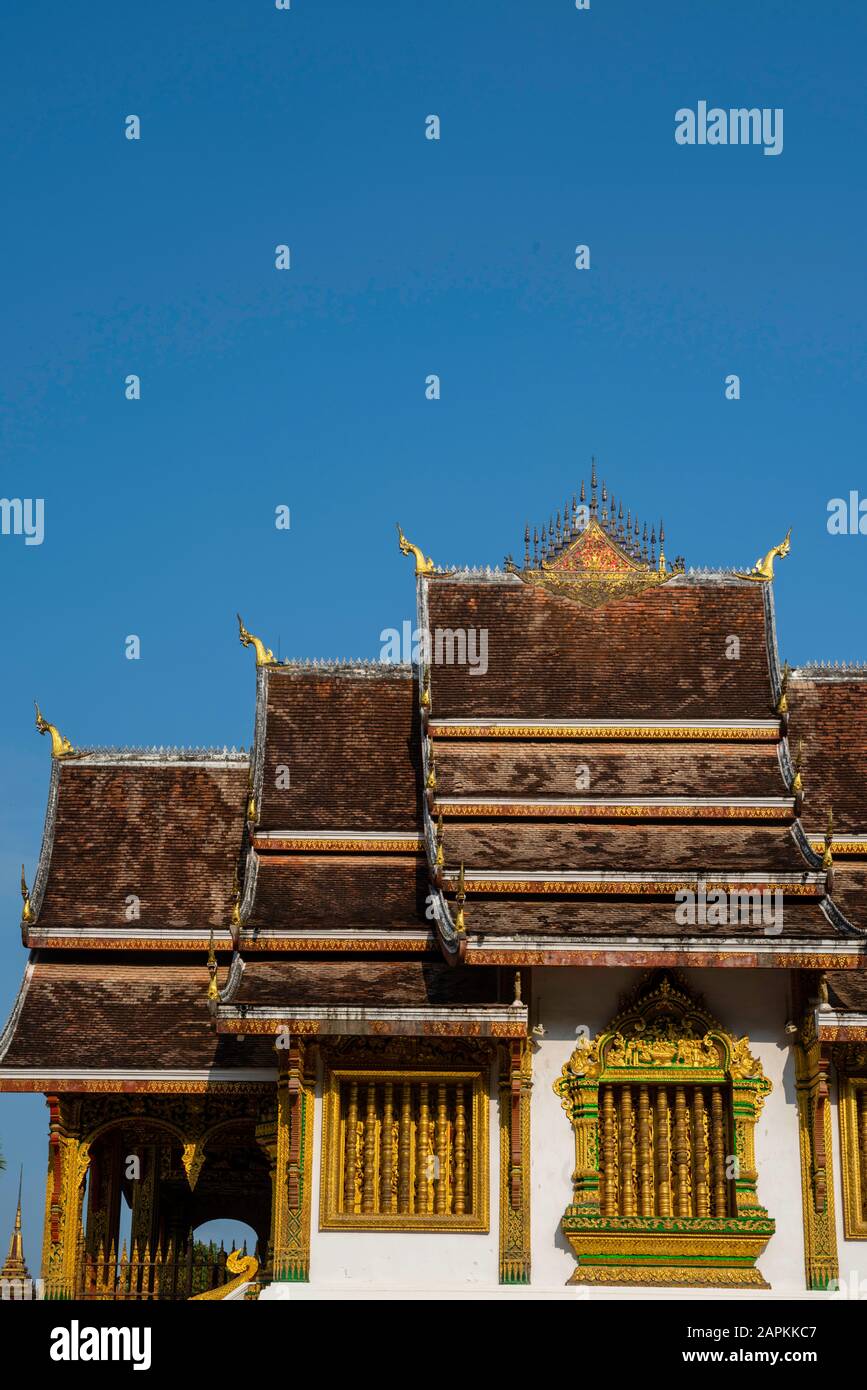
(631, 887)
(589, 810)
(677, 733)
(338, 844)
(593, 570)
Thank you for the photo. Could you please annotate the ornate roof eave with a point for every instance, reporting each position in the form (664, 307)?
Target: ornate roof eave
(620, 883)
(822, 953)
(126, 939)
(839, 1025)
(250, 939)
(618, 808)
(154, 1081)
(349, 1021)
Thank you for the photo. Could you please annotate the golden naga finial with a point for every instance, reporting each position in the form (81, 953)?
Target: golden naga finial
(828, 857)
(440, 856)
(213, 987)
(236, 904)
(264, 655)
(425, 694)
(461, 894)
(783, 702)
(798, 785)
(764, 568)
(252, 813)
(28, 915)
(60, 745)
(423, 564)
(431, 780)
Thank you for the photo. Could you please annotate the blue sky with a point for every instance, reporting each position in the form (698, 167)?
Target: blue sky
(409, 257)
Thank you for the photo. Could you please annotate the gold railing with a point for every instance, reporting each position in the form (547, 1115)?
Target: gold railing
(665, 1150)
(146, 1274)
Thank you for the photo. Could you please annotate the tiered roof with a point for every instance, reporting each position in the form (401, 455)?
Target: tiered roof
(625, 735)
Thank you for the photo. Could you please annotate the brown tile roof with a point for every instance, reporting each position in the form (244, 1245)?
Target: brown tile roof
(384, 984)
(659, 655)
(169, 834)
(830, 715)
(98, 1014)
(850, 891)
(847, 990)
(700, 769)
(559, 846)
(329, 891)
(350, 741)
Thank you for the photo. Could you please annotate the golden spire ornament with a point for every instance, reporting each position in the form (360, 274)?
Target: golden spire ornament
(14, 1267)
(264, 655)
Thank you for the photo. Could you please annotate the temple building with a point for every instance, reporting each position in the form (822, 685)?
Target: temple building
(539, 959)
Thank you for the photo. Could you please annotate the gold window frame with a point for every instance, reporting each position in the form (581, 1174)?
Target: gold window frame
(331, 1218)
(663, 1037)
(854, 1220)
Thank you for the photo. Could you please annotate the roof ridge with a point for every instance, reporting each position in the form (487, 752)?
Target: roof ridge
(829, 668)
(160, 751)
(340, 663)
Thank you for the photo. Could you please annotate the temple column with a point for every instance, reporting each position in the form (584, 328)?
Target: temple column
(143, 1227)
(812, 1070)
(68, 1160)
(515, 1085)
(103, 1196)
(287, 1141)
